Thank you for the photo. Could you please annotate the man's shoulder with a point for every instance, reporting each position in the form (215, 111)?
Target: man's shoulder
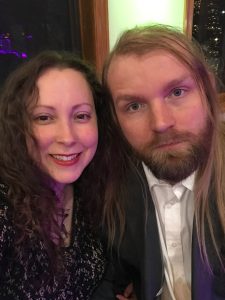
(135, 175)
(137, 194)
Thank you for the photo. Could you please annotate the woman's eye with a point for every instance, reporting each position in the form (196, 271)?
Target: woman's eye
(134, 106)
(42, 118)
(83, 116)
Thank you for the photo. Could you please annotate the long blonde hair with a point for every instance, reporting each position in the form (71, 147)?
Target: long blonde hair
(210, 177)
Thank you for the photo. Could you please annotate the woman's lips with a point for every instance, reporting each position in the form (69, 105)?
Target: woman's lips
(65, 159)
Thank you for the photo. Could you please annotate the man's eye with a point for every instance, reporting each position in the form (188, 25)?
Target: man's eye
(177, 92)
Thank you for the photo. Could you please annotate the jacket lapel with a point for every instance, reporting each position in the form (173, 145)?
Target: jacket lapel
(152, 258)
(153, 268)
(201, 278)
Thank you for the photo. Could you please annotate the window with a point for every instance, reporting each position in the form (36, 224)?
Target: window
(29, 26)
(206, 23)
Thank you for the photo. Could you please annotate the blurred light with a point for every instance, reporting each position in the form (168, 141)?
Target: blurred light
(13, 52)
(23, 55)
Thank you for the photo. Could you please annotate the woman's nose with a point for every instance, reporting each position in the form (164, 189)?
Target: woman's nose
(66, 133)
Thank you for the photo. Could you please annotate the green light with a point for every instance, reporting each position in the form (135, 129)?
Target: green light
(128, 13)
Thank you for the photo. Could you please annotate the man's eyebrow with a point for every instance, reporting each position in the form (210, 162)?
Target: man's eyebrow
(128, 98)
(178, 81)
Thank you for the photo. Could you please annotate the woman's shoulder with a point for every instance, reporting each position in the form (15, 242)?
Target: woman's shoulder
(3, 195)
(6, 227)
(4, 203)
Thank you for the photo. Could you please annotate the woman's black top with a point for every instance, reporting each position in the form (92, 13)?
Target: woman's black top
(25, 272)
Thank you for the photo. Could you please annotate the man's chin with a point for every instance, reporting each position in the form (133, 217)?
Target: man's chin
(172, 173)
(172, 166)
(172, 176)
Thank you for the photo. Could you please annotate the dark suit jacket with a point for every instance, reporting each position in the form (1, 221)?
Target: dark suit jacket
(138, 258)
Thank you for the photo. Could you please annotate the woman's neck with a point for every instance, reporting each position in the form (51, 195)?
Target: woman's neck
(65, 205)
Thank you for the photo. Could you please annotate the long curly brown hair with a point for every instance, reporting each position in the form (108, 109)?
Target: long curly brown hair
(32, 202)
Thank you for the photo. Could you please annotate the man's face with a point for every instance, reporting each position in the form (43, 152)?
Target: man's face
(160, 111)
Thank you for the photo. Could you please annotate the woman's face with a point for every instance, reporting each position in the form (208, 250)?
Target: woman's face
(64, 125)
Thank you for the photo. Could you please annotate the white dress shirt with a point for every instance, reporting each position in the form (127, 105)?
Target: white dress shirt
(175, 212)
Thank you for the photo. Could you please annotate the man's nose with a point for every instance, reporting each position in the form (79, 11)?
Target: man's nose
(162, 116)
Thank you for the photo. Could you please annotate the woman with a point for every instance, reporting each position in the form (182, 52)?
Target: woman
(49, 134)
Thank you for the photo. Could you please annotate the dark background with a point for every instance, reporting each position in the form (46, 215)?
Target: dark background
(209, 30)
(29, 26)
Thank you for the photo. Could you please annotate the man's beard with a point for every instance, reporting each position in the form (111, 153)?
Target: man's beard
(175, 165)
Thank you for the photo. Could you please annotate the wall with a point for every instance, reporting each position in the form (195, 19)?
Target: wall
(125, 14)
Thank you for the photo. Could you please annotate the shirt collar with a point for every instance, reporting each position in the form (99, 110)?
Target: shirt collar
(152, 180)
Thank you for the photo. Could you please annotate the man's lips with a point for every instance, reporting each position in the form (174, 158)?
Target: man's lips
(168, 144)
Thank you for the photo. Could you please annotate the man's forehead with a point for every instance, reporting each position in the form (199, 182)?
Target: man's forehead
(121, 59)
(133, 63)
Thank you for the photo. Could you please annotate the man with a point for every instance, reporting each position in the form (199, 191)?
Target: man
(163, 100)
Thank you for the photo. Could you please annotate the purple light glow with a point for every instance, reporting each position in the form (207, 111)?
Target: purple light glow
(23, 55)
(13, 52)
(6, 46)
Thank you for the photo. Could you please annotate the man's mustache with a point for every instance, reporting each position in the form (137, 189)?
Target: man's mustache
(172, 137)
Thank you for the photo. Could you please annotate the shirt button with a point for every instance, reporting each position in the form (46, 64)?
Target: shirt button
(174, 245)
(170, 204)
